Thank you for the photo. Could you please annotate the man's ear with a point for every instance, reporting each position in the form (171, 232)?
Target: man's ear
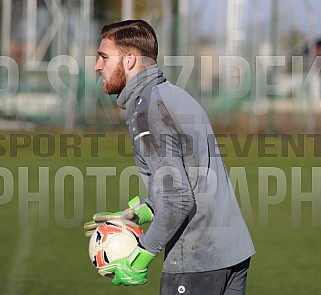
(130, 61)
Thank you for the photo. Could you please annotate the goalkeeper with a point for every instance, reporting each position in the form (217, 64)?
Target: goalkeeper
(192, 207)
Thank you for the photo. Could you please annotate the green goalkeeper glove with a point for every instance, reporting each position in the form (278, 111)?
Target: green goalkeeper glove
(137, 212)
(129, 271)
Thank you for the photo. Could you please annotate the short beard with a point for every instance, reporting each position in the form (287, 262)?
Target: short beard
(117, 81)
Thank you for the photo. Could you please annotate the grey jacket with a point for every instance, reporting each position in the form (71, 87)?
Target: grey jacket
(197, 217)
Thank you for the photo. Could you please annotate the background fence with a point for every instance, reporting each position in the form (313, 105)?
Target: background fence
(251, 63)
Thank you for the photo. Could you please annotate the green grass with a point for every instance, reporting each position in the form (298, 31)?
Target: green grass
(53, 258)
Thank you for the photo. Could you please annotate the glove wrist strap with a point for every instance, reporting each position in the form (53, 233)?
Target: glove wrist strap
(144, 213)
(140, 258)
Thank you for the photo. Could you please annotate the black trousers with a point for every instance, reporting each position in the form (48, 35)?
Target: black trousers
(227, 281)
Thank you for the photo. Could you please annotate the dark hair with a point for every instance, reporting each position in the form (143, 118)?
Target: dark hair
(128, 34)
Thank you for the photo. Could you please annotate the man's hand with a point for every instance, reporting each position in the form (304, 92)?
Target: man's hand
(129, 271)
(137, 212)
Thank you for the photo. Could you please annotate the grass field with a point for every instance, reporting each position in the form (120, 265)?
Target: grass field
(43, 249)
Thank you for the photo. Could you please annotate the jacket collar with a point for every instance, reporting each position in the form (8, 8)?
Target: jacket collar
(148, 77)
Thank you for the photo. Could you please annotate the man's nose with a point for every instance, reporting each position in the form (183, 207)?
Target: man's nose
(98, 66)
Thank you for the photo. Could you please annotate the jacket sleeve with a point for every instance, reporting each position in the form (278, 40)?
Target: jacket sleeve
(157, 147)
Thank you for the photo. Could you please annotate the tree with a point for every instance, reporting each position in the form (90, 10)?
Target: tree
(292, 40)
(111, 10)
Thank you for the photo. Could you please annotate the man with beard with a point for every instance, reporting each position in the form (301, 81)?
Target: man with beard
(192, 208)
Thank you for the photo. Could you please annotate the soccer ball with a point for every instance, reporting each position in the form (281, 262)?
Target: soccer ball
(113, 240)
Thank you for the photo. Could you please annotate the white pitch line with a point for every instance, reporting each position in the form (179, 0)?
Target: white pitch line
(19, 264)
